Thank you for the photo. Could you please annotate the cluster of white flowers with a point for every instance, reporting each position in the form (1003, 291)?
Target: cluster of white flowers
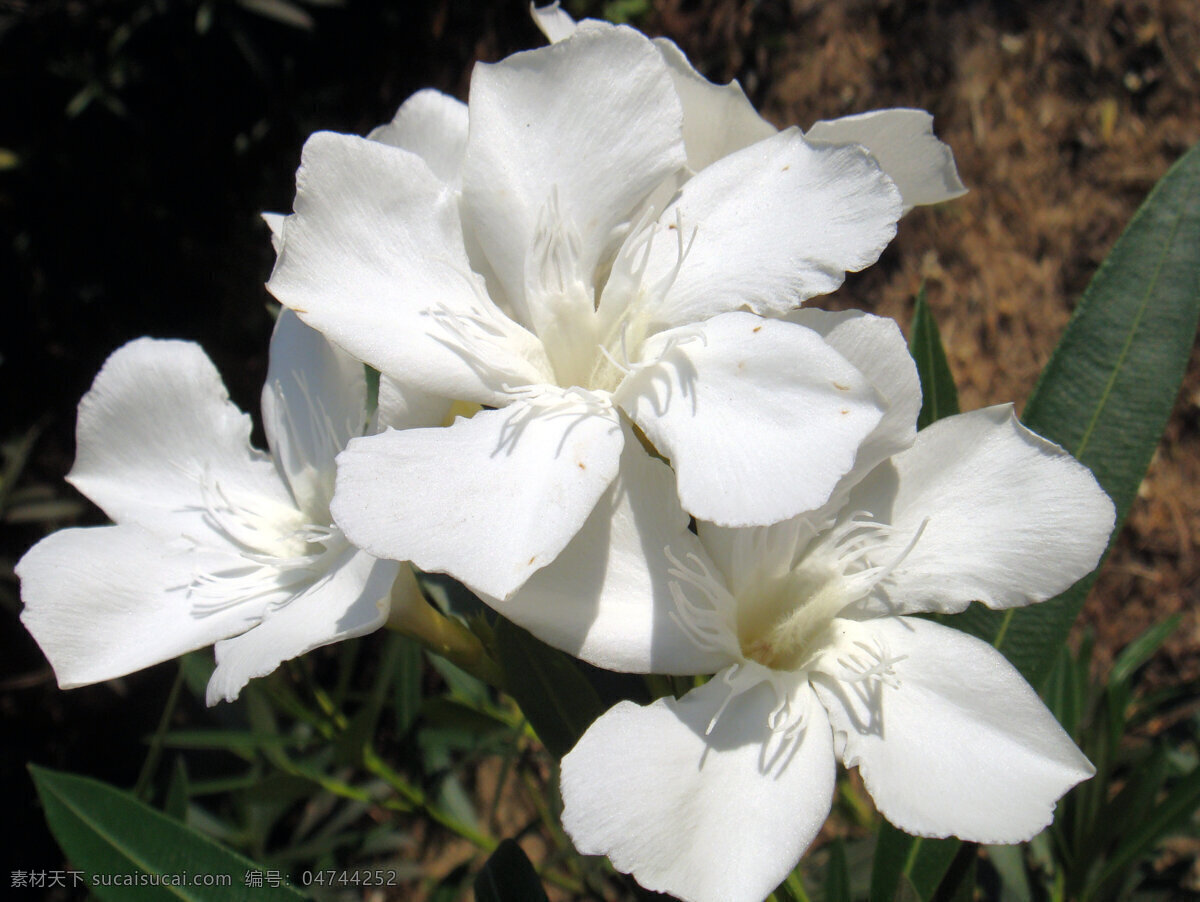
(602, 409)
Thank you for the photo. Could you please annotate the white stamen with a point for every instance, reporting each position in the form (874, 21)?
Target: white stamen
(709, 624)
(876, 667)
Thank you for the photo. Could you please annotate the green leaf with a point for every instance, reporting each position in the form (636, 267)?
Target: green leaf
(1171, 814)
(939, 395)
(837, 874)
(508, 876)
(1141, 649)
(105, 831)
(1009, 864)
(240, 742)
(406, 684)
(959, 883)
(176, 803)
(549, 686)
(1118, 822)
(1108, 389)
(901, 859)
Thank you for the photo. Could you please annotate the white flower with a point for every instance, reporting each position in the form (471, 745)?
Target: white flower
(214, 541)
(563, 261)
(807, 625)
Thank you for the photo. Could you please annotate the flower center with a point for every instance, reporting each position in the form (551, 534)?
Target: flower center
(782, 619)
(593, 324)
(278, 551)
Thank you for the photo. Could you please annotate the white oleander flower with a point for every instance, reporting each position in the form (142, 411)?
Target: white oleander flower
(213, 542)
(552, 253)
(807, 625)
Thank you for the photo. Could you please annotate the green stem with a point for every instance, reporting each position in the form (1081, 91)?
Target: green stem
(412, 615)
(150, 765)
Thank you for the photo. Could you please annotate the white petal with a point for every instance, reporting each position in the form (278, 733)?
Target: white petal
(374, 258)
(607, 597)
(705, 818)
(274, 222)
(962, 747)
(592, 120)
(760, 418)
(717, 119)
(769, 227)
(157, 434)
(106, 601)
(314, 401)
(403, 406)
(350, 599)
(876, 347)
(489, 500)
(432, 125)
(751, 558)
(1012, 518)
(902, 141)
(553, 21)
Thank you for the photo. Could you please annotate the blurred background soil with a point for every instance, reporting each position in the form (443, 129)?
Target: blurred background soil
(140, 139)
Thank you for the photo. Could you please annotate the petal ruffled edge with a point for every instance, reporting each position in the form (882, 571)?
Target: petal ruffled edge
(954, 742)
(766, 227)
(697, 797)
(374, 258)
(158, 437)
(432, 125)
(106, 601)
(903, 142)
(1005, 517)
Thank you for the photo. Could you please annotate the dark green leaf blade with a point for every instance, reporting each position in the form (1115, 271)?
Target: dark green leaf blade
(837, 874)
(900, 859)
(1108, 389)
(1175, 811)
(549, 686)
(939, 395)
(508, 876)
(105, 831)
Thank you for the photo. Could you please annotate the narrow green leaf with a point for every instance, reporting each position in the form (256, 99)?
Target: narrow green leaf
(938, 391)
(1141, 649)
(105, 831)
(462, 685)
(240, 742)
(837, 874)
(959, 883)
(1174, 811)
(906, 892)
(176, 803)
(406, 684)
(1009, 863)
(549, 686)
(1120, 820)
(1108, 389)
(900, 858)
(508, 876)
